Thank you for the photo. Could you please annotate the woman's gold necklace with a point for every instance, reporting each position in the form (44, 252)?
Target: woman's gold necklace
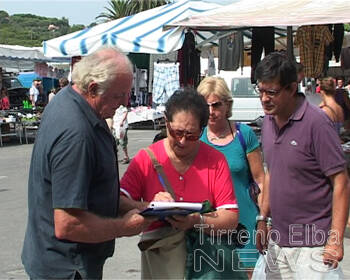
(218, 137)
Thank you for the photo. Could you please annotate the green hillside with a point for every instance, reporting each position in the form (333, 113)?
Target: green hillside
(30, 30)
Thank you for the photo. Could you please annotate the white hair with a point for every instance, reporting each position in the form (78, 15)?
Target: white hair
(100, 68)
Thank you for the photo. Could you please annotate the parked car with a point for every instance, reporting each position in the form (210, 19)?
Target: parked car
(246, 102)
(16, 92)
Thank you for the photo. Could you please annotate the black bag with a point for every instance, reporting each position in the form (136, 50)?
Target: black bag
(222, 250)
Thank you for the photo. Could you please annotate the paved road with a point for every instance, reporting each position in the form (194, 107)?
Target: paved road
(14, 166)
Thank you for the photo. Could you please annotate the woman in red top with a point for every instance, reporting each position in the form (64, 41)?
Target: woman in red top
(4, 102)
(196, 172)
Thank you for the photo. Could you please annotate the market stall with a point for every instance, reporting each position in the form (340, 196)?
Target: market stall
(19, 124)
(143, 114)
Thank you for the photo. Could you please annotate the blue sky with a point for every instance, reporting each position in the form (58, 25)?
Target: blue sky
(77, 11)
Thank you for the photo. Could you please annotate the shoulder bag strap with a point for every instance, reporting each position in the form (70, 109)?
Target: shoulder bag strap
(241, 138)
(159, 168)
(244, 146)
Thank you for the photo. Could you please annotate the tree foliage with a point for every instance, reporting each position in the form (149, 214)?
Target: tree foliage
(31, 30)
(122, 8)
(347, 27)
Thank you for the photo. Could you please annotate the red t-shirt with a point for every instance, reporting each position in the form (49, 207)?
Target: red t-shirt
(208, 178)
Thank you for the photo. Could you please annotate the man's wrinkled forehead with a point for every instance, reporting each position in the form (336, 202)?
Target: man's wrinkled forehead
(275, 81)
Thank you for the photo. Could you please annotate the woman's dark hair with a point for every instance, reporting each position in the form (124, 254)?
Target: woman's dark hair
(276, 66)
(187, 100)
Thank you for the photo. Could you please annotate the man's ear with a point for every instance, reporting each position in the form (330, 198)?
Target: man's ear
(293, 87)
(92, 89)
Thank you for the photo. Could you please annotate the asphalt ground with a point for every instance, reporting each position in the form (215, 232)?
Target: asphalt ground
(14, 167)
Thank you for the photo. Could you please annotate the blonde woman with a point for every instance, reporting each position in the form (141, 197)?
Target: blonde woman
(332, 109)
(221, 134)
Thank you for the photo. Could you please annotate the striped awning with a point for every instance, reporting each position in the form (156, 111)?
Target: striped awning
(139, 33)
(248, 13)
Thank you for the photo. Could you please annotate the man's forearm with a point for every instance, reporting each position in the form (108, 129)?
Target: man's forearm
(265, 200)
(126, 204)
(340, 205)
(83, 226)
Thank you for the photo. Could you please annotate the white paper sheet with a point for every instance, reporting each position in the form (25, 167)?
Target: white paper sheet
(161, 205)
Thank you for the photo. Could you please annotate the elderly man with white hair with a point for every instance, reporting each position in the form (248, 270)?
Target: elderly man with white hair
(73, 188)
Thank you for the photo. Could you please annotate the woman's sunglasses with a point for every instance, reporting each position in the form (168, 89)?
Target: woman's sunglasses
(215, 105)
(179, 134)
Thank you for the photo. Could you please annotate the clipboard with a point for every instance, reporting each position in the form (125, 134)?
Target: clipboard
(166, 209)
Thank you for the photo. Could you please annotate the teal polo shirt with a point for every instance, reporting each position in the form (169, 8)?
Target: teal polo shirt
(73, 165)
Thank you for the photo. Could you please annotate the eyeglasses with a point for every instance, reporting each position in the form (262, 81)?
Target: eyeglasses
(179, 134)
(215, 105)
(269, 92)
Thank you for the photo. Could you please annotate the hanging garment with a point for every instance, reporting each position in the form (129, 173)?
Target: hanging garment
(334, 47)
(345, 58)
(189, 59)
(211, 63)
(231, 50)
(172, 57)
(312, 40)
(165, 81)
(263, 38)
(140, 85)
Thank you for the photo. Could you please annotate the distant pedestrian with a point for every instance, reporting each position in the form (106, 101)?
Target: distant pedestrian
(52, 93)
(329, 105)
(4, 99)
(34, 91)
(120, 130)
(63, 82)
(342, 98)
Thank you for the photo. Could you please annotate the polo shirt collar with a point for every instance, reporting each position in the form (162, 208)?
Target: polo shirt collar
(300, 111)
(85, 107)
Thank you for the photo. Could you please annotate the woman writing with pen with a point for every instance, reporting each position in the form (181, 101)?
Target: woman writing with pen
(195, 171)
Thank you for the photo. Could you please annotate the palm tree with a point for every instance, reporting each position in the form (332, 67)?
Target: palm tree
(143, 5)
(123, 8)
(118, 9)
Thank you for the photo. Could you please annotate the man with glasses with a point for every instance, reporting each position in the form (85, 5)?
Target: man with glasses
(306, 190)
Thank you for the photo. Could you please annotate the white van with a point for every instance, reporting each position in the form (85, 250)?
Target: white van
(246, 102)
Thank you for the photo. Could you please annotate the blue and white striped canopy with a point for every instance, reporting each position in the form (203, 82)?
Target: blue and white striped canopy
(139, 33)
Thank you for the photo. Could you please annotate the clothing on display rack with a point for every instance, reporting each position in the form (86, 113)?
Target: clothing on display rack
(140, 91)
(189, 59)
(334, 47)
(337, 30)
(156, 58)
(211, 63)
(312, 41)
(263, 39)
(165, 81)
(345, 58)
(231, 51)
